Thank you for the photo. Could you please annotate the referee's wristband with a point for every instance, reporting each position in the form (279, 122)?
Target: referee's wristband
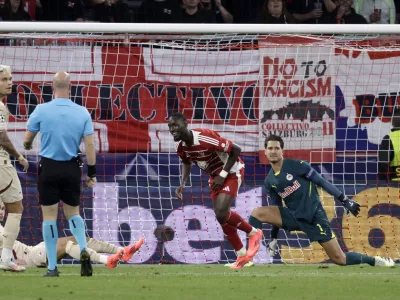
(91, 171)
(223, 174)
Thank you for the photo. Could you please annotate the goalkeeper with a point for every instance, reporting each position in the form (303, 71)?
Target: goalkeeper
(35, 256)
(294, 182)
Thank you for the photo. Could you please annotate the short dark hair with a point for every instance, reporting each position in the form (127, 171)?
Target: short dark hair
(178, 115)
(274, 138)
(396, 118)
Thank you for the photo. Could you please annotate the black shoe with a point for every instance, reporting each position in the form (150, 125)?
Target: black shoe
(52, 273)
(86, 265)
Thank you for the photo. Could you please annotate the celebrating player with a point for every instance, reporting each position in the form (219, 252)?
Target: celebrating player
(35, 256)
(294, 182)
(219, 158)
(10, 186)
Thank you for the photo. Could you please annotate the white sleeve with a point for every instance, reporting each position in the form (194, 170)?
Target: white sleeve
(3, 122)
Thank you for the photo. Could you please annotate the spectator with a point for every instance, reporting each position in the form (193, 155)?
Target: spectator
(159, 11)
(377, 11)
(221, 13)
(192, 13)
(34, 8)
(310, 11)
(111, 11)
(343, 14)
(13, 10)
(275, 12)
(62, 10)
(246, 11)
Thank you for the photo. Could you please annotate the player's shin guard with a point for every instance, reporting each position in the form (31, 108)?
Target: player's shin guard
(232, 236)
(10, 234)
(50, 237)
(354, 258)
(102, 247)
(237, 221)
(73, 250)
(77, 227)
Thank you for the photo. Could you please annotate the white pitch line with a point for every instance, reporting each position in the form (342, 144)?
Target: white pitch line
(233, 273)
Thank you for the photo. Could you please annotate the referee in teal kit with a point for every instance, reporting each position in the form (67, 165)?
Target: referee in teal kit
(62, 125)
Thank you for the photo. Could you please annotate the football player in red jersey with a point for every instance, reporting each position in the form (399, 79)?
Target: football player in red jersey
(219, 158)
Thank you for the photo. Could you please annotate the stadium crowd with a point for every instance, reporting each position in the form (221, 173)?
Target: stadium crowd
(204, 11)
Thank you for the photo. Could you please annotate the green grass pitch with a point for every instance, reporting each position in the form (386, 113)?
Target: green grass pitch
(164, 282)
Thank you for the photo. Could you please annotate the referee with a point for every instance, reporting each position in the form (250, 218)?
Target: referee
(62, 125)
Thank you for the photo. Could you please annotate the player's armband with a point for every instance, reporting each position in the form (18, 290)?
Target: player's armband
(306, 169)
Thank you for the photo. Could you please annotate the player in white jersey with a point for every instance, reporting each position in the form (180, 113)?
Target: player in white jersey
(35, 256)
(10, 187)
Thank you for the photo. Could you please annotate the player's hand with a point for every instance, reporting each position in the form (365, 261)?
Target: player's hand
(272, 247)
(90, 181)
(218, 183)
(351, 206)
(23, 162)
(27, 146)
(179, 191)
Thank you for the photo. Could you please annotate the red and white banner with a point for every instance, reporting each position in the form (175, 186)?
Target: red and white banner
(297, 101)
(131, 91)
(245, 94)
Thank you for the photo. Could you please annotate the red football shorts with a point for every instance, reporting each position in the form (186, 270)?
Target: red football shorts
(231, 185)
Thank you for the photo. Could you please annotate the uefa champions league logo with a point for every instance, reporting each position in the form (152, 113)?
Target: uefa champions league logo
(2, 118)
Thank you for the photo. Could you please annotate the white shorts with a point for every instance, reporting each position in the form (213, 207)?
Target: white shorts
(10, 186)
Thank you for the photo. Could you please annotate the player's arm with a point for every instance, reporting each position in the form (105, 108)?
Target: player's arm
(234, 152)
(233, 156)
(32, 128)
(276, 200)
(311, 174)
(88, 139)
(8, 146)
(186, 168)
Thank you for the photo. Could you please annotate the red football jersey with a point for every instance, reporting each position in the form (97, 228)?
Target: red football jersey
(209, 151)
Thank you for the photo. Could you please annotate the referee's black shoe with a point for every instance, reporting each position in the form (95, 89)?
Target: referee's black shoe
(86, 265)
(52, 273)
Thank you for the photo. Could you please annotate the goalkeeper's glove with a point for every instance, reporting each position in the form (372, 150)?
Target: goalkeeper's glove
(350, 206)
(272, 247)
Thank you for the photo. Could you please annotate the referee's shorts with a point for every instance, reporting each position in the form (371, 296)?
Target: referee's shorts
(59, 180)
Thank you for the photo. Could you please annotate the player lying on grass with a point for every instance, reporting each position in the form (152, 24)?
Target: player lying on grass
(35, 256)
(294, 182)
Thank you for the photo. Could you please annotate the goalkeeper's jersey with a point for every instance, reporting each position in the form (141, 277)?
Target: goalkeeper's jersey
(292, 185)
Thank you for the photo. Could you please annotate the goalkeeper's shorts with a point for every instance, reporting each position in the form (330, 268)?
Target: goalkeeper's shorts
(318, 230)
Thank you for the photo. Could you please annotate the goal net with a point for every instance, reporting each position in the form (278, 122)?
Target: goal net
(331, 96)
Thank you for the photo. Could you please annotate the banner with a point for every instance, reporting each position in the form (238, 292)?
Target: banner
(368, 92)
(130, 92)
(321, 100)
(297, 101)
